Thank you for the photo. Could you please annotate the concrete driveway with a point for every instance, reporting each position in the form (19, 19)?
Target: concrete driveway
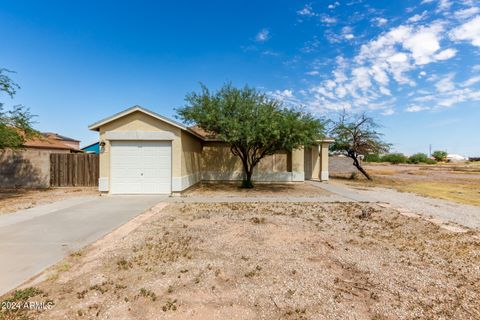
(34, 239)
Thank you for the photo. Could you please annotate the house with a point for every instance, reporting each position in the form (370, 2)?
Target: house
(30, 166)
(143, 152)
(53, 142)
(92, 148)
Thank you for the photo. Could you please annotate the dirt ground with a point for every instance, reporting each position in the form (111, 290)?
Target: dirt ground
(454, 182)
(269, 261)
(12, 200)
(260, 190)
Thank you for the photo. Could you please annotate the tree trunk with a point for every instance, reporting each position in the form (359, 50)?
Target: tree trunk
(357, 165)
(247, 181)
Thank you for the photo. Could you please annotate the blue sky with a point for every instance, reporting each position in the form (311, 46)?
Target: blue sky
(413, 65)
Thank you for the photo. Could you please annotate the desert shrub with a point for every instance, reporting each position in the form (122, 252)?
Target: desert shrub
(371, 158)
(439, 155)
(420, 158)
(394, 158)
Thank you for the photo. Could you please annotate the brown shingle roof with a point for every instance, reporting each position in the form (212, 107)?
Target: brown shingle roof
(206, 135)
(48, 141)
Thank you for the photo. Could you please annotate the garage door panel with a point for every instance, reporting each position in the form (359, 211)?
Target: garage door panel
(140, 167)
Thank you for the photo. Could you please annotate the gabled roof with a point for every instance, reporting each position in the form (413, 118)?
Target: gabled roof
(194, 130)
(95, 126)
(58, 136)
(47, 142)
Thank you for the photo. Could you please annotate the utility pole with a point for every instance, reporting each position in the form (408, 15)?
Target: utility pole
(430, 150)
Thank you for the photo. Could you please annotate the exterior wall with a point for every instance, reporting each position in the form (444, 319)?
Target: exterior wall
(141, 122)
(28, 168)
(218, 163)
(324, 173)
(191, 162)
(318, 162)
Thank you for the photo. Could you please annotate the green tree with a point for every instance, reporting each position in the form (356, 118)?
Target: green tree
(15, 124)
(439, 155)
(357, 136)
(394, 158)
(251, 123)
(420, 158)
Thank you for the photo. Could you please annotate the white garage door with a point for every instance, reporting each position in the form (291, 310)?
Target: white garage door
(140, 167)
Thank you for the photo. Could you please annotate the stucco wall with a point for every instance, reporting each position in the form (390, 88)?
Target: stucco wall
(29, 168)
(218, 163)
(138, 121)
(191, 161)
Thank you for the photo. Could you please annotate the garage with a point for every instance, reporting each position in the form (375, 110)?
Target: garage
(141, 167)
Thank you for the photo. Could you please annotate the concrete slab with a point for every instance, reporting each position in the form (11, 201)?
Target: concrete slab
(42, 236)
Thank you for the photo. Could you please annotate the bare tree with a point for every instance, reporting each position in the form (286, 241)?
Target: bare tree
(356, 136)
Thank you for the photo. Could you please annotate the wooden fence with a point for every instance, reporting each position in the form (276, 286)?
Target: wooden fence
(74, 170)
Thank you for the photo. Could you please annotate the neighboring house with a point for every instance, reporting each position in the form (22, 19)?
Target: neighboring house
(143, 152)
(92, 148)
(30, 166)
(54, 143)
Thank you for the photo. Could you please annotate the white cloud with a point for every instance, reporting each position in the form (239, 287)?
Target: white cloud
(466, 13)
(471, 81)
(445, 84)
(446, 54)
(333, 5)
(416, 108)
(417, 17)
(388, 112)
(444, 5)
(424, 43)
(306, 11)
(325, 18)
(380, 21)
(263, 35)
(469, 31)
(390, 63)
(312, 73)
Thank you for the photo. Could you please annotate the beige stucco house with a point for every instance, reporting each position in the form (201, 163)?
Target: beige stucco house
(144, 152)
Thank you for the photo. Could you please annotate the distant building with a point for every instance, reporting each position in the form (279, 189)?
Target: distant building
(456, 158)
(92, 148)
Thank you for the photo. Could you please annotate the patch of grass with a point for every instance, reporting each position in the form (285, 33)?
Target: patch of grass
(123, 264)
(253, 272)
(257, 220)
(461, 193)
(148, 294)
(24, 294)
(170, 305)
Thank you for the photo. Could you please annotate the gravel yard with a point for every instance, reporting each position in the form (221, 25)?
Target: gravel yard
(269, 261)
(12, 200)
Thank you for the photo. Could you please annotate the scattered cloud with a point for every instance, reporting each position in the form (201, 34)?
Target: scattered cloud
(466, 13)
(469, 31)
(333, 5)
(417, 17)
(263, 35)
(445, 84)
(379, 21)
(326, 19)
(306, 11)
(471, 81)
(312, 73)
(416, 108)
